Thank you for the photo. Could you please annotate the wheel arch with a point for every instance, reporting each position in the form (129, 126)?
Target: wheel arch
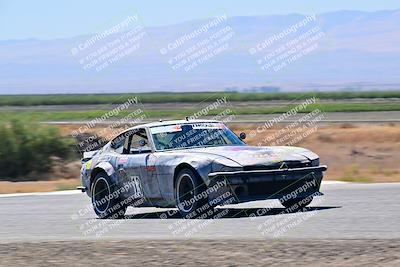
(104, 167)
(182, 166)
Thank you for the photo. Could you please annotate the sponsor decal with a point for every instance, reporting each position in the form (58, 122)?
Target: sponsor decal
(137, 186)
(178, 127)
(150, 168)
(264, 155)
(104, 158)
(166, 129)
(208, 126)
(122, 160)
(238, 148)
(88, 165)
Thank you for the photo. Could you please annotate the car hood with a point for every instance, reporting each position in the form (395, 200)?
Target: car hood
(251, 155)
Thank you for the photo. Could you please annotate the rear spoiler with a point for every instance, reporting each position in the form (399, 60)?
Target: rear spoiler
(88, 155)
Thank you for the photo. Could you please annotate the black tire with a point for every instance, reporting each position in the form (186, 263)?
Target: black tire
(105, 204)
(190, 196)
(297, 204)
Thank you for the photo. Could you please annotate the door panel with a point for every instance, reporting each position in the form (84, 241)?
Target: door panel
(129, 172)
(149, 172)
(137, 166)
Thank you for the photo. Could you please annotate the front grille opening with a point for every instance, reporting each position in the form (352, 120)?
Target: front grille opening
(239, 191)
(278, 165)
(278, 187)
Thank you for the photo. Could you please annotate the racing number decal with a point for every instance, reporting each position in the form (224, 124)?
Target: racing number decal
(137, 187)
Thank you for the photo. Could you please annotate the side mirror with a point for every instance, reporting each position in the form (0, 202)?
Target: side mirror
(242, 136)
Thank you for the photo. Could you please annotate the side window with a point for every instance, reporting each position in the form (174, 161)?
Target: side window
(131, 142)
(139, 142)
(118, 143)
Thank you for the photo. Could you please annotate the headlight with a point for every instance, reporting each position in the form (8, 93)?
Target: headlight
(315, 162)
(223, 164)
(308, 154)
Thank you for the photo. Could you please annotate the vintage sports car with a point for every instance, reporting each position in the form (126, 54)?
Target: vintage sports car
(195, 165)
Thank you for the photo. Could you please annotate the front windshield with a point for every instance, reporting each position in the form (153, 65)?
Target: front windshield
(193, 135)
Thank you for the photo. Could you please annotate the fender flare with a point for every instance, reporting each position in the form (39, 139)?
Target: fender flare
(200, 168)
(102, 167)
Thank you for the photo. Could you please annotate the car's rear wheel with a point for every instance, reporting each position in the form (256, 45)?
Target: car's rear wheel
(190, 195)
(105, 198)
(297, 204)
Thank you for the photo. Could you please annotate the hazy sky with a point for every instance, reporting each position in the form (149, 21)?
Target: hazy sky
(47, 19)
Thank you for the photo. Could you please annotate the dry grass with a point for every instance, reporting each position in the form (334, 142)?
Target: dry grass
(359, 153)
(38, 186)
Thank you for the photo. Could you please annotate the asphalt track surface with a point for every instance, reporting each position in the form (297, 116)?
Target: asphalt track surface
(352, 225)
(346, 211)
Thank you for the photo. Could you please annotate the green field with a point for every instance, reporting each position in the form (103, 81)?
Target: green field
(180, 113)
(34, 100)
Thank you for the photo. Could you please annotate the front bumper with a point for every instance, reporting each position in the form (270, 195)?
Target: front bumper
(268, 184)
(262, 173)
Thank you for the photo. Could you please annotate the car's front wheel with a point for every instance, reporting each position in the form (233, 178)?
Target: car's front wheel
(105, 198)
(297, 204)
(190, 195)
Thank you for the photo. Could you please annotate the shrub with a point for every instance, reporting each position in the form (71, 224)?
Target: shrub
(27, 147)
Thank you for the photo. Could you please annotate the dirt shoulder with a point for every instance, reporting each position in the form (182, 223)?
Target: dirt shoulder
(203, 253)
(38, 186)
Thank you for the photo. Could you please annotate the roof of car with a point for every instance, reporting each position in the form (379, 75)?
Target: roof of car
(163, 123)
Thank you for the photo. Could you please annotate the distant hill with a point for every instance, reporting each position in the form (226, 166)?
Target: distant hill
(357, 51)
